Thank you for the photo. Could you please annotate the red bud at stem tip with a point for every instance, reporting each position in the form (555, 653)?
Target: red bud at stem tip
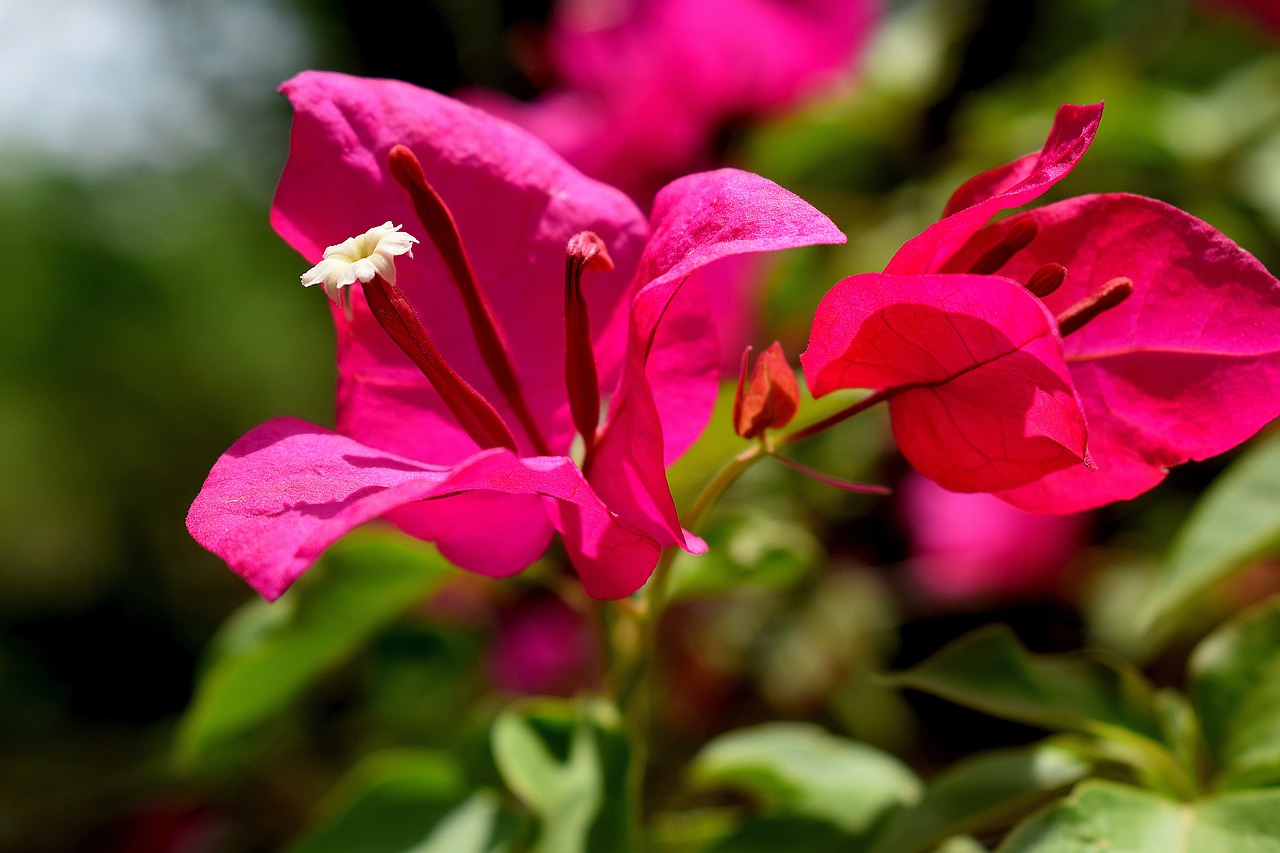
(485, 327)
(771, 398)
(584, 251)
(393, 312)
(1108, 296)
(1017, 238)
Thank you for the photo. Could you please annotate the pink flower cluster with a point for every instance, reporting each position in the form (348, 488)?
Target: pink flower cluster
(1060, 359)
(1065, 357)
(288, 489)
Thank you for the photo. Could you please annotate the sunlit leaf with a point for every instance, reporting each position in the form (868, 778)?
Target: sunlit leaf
(1104, 816)
(987, 791)
(1235, 680)
(1235, 522)
(271, 653)
(479, 825)
(567, 762)
(801, 770)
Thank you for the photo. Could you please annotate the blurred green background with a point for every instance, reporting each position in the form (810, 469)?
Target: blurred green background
(151, 317)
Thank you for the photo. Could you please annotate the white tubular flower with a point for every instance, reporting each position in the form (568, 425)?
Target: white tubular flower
(360, 259)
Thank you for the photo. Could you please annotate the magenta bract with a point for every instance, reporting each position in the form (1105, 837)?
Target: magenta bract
(981, 398)
(1186, 367)
(397, 450)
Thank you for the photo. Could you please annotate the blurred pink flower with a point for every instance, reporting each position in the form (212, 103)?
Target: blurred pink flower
(647, 89)
(543, 647)
(976, 546)
(288, 489)
(646, 86)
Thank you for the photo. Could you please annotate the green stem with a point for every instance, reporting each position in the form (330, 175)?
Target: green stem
(636, 691)
(638, 682)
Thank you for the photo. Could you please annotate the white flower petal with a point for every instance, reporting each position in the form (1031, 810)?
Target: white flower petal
(360, 258)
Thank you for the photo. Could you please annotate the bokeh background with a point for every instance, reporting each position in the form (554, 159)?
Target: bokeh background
(150, 317)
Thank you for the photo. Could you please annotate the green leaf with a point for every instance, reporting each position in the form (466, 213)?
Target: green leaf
(1182, 732)
(787, 832)
(988, 791)
(1090, 692)
(387, 804)
(799, 769)
(1235, 681)
(567, 762)
(480, 825)
(960, 844)
(1234, 523)
(270, 653)
(1104, 817)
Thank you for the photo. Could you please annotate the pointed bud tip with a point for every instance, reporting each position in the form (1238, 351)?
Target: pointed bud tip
(770, 398)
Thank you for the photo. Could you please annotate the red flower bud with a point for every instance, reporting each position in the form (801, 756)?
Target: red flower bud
(771, 399)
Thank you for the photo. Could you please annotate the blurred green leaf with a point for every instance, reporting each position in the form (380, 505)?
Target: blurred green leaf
(960, 844)
(1235, 681)
(479, 825)
(692, 830)
(1089, 692)
(746, 549)
(987, 791)
(271, 653)
(387, 804)
(1182, 731)
(567, 762)
(1235, 522)
(777, 833)
(799, 769)
(1104, 816)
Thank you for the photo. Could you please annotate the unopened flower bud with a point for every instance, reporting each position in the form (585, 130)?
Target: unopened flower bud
(770, 399)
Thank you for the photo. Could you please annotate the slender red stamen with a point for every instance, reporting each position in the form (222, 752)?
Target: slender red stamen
(393, 312)
(584, 251)
(1108, 296)
(485, 327)
(1017, 238)
(1047, 279)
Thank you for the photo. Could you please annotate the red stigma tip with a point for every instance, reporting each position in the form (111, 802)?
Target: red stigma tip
(584, 251)
(1047, 279)
(589, 251)
(1105, 298)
